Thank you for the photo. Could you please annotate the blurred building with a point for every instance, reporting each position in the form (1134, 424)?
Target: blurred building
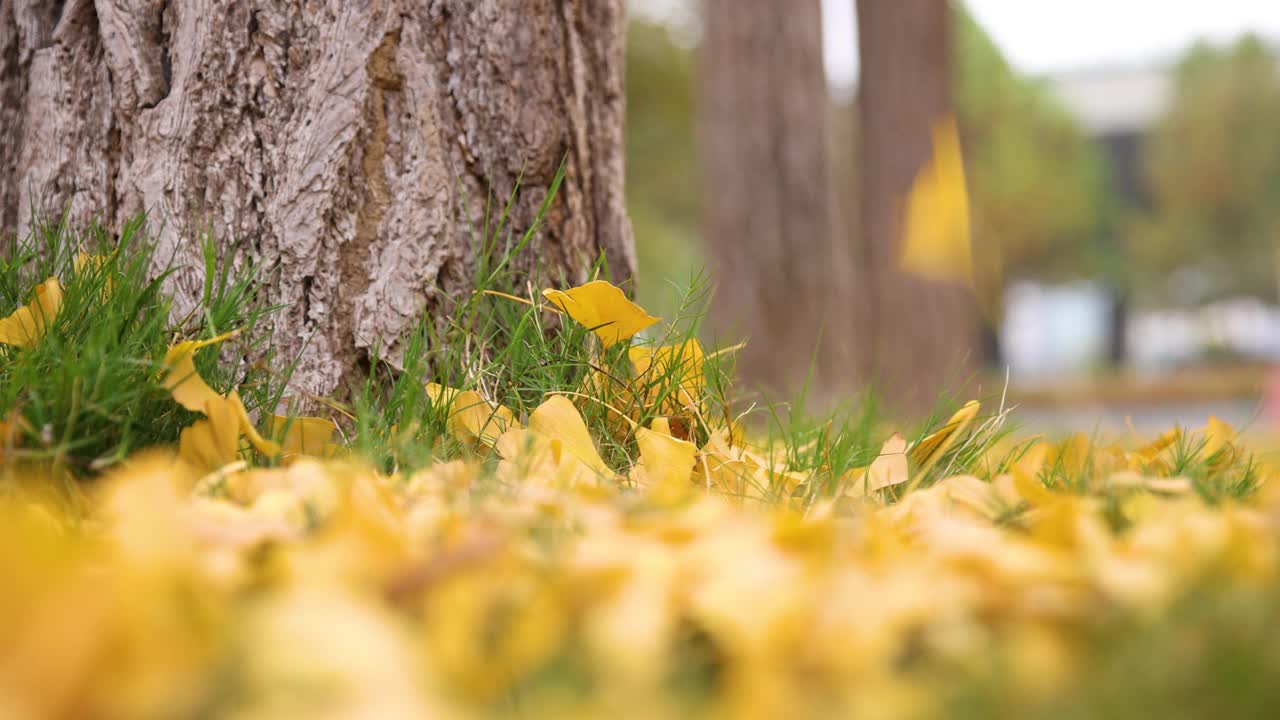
(1117, 106)
(1050, 330)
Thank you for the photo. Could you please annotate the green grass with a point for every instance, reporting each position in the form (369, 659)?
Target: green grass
(88, 392)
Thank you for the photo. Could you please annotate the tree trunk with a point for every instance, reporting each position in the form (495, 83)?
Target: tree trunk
(770, 213)
(921, 334)
(353, 144)
(1118, 327)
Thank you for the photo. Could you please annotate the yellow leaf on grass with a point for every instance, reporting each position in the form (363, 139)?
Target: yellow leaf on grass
(670, 367)
(1219, 443)
(94, 263)
(1074, 456)
(928, 450)
(470, 416)
(889, 468)
(668, 461)
(264, 446)
(188, 388)
(226, 417)
(1034, 459)
(1148, 458)
(602, 308)
(1030, 488)
(303, 435)
(558, 419)
(213, 442)
(26, 325)
(936, 242)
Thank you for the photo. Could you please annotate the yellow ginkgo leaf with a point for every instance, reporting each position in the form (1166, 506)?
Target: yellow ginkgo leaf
(1219, 443)
(95, 263)
(929, 449)
(1029, 488)
(1074, 455)
(669, 368)
(668, 461)
(263, 445)
(26, 325)
(1034, 459)
(935, 242)
(602, 308)
(303, 435)
(470, 416)
(180, 378)
(888, 469)
(191, 391)
(213, 442)
(557, 418)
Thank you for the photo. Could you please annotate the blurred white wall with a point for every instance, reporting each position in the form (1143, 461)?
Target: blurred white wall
(1050, 330)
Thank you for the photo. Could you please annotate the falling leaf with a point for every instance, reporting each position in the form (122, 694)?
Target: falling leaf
(602, 308)
(25, 326)
(936, 243)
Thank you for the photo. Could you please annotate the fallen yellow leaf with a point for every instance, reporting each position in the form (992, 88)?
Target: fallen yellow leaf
(181, 378)
(889, 468)
(557, 418)
(929, 449)
(470, 416)
(303, 435)
(667, 461)
(602, 308)
(25, 326)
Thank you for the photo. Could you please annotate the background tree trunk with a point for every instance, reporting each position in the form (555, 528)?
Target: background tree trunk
(352, 143)
(921, 334)
(770, 213)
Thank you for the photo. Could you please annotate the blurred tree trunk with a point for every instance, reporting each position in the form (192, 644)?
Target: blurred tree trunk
(921, 335)
(769, 211)
(1118, 327)
(353, 144)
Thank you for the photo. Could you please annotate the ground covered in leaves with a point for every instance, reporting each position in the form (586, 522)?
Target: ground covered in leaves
(580, 523)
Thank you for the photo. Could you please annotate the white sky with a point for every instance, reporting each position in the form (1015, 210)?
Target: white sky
(1043, 36)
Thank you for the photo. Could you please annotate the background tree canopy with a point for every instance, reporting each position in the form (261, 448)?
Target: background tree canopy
(1213, 168)
(1038, 185)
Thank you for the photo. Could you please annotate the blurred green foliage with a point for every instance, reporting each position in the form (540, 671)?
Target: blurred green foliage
(1038, 184)
(1213, 168)
(663, 185)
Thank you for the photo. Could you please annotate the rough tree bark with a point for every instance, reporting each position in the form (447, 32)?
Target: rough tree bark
(921, 334)
(352, 142)
(770, 211)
